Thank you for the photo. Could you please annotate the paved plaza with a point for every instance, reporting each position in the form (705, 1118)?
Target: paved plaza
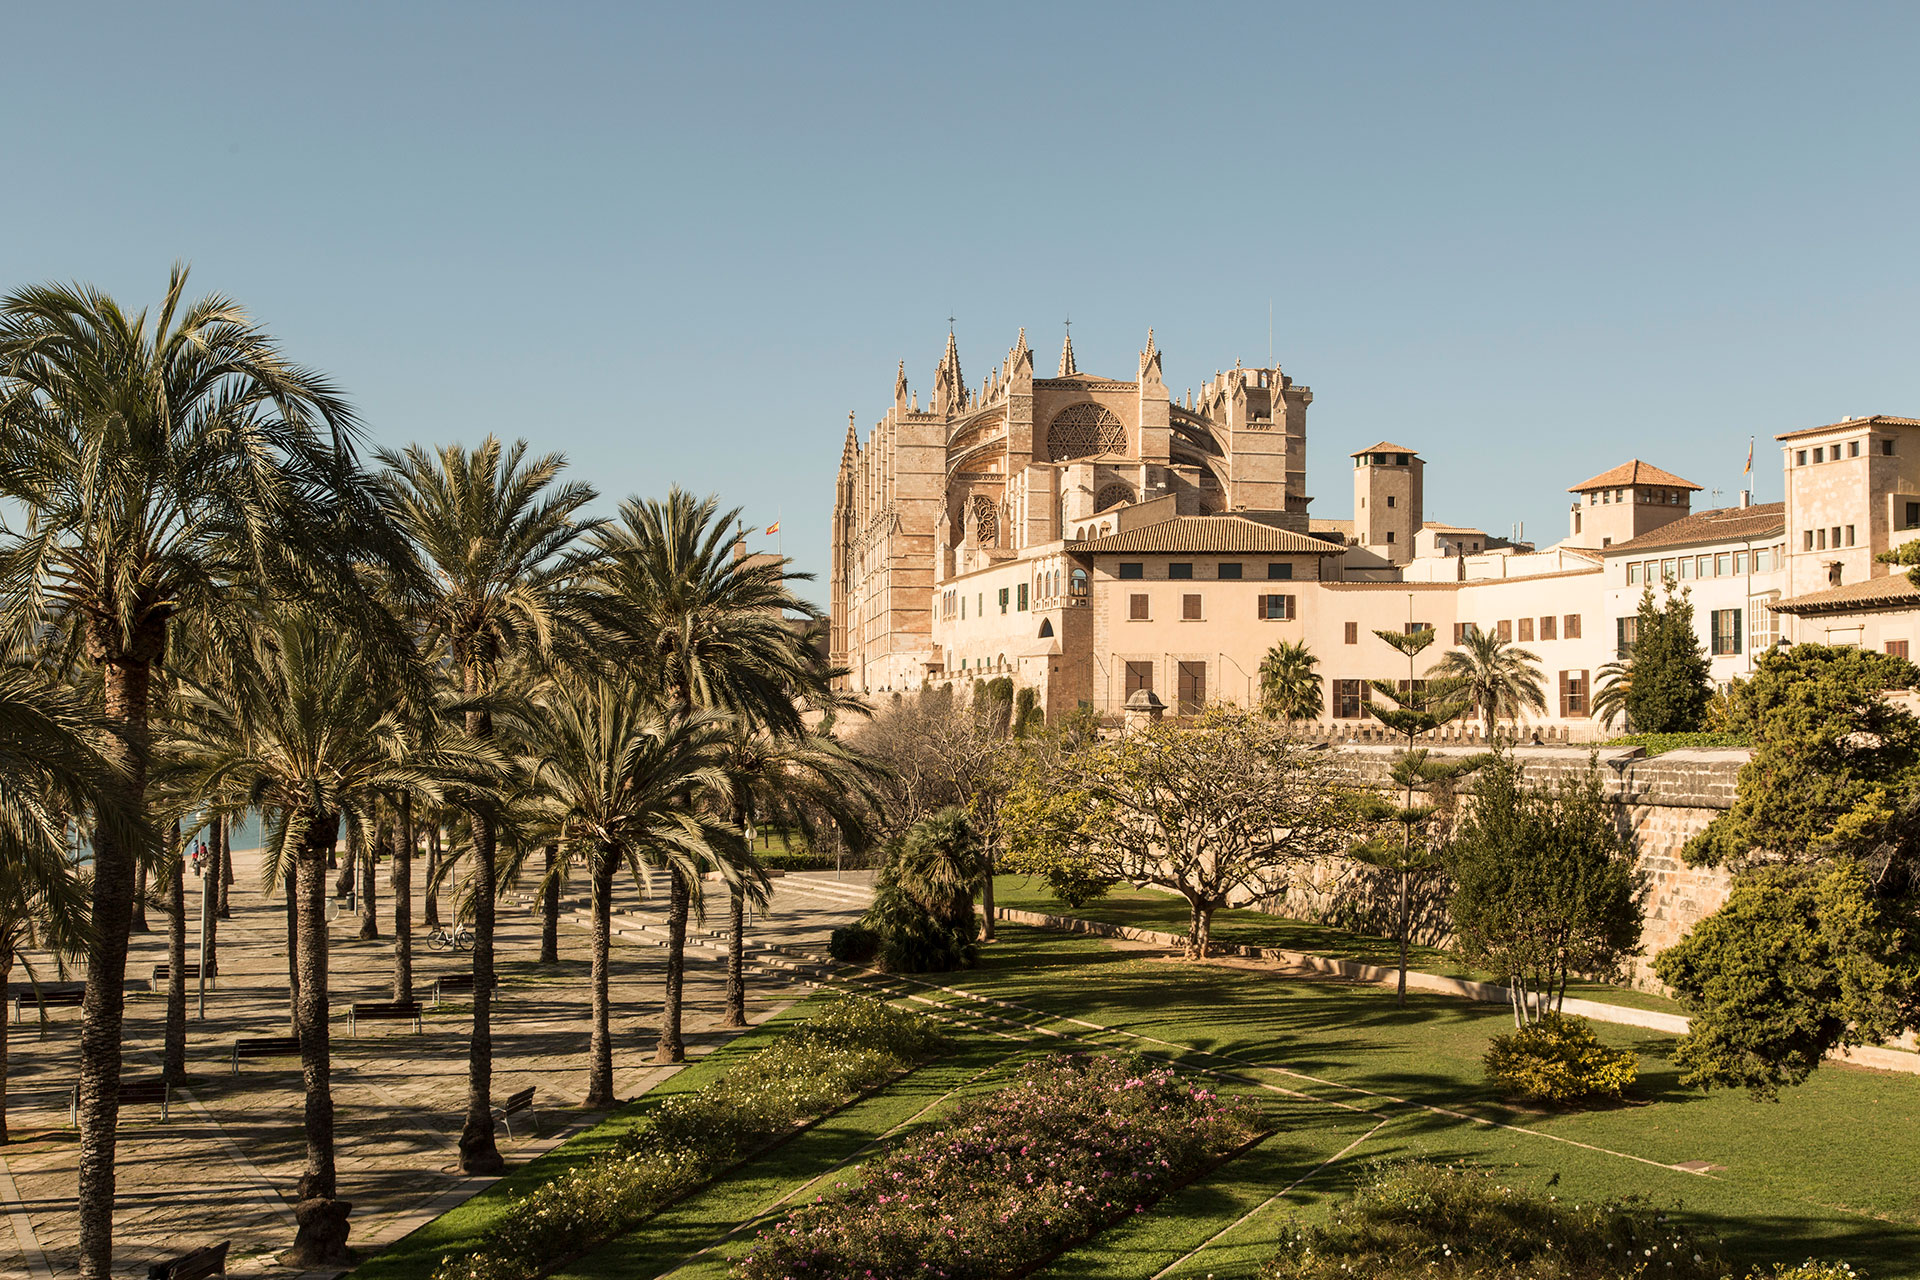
(224, 1166)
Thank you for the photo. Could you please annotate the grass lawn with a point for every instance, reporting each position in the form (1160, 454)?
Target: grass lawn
(1827, 1171)
(1151, 909)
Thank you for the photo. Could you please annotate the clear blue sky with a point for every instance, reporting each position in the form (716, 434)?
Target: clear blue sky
(681, 243)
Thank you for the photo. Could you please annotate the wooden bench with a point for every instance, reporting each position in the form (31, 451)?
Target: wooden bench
(132, 1092)
(461, 983)
(517, 1104)
(191, 970)
(47, 998)
(198, 1265)
(382, 1011)
(265, 1047)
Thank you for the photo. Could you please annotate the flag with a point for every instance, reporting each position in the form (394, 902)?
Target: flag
(773, 528)
(1749, 455)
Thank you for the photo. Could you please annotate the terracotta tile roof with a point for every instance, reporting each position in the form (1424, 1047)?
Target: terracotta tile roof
(1633, 473)
(1721, 524)
(1892, 591)
(1383, 447)
(1875, 420)
(1207, 535)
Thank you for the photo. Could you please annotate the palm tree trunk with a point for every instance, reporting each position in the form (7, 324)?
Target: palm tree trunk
(293, 949)
(600, 1051)
(321, 1235)
(430, 913)
(550, 908)
(226, 869)
(679, 902)
(986, 899)
(343, 883)
(6, 975)
(210, 883)
(478, 1154)
(126, 680)
(173, 1057)
(370, 882)
(140, 903)
(403, 903)
(736, 960)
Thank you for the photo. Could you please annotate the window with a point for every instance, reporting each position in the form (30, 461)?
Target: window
(1353, 633)
(1849, 535)
(1275, 608)
(1131, 572)
(1020, 597)
(963, 608)
(1392, 501)
(980, 605)
(1703, 566)
(1809, 536)
(1726, 632)
(1886, 448)
(1913, 516)
(1853, 448)
(1740, 564)
(1686, 567)
(1193, 687)
(1136, 608)
(1190, 608)
(1284, 572)
(1080, 582)
(1389, 535)
(1570, 627)
(1503, 630)
(1399, 459)
(1139, 676)
(1625, 632)
(1573, 695)
(1800, 458)
(1461, 630)
(1766, 624)
(1722, 564)
(1819, 455)
(1526, 630)
(1633, 572)
(1897, 648)
(1836, 537)
(1670, 569)
(1414, 628)
(1230, 572)
(1549, 627)
(1820, 540)
(1004, 594)
(1349, 699)
(1179, 571)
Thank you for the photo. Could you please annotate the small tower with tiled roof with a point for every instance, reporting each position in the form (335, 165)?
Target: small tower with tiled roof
(1620, 504)
(1389, 499)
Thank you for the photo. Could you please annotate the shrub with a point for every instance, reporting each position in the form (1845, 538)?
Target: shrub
(853, 1044)
(1012, 1177)
(853, 943)
(1560, 1059)
(1427, 1220)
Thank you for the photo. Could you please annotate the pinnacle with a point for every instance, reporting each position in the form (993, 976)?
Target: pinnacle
(1066, 357)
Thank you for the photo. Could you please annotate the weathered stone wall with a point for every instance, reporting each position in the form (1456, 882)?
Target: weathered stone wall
(1663, 802)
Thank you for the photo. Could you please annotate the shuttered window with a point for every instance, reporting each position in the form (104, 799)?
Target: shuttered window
(1190, 608)
(1573, 695)
(1193, 688)
(1571, 631)
(1274, 608)
(1526, 630)
(1139, 676)
(1549, 627)
(1137, 608)
(1503, 630)
(1353, 633)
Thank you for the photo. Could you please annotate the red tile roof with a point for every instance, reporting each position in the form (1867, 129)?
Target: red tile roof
(1721, 524)
(1208, 535)
(1383, 447)
(1633, 473)
(1890, 592)
(1876, 420)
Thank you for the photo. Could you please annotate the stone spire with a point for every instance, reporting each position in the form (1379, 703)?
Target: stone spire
(1150, 361)
(952, 360)
(1066, 357)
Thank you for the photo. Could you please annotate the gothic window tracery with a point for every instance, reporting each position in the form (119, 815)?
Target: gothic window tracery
(986, 521)
(1083, 430)
(1112, 495)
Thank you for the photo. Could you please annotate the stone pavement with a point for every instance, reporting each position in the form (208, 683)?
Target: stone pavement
(224, 1166)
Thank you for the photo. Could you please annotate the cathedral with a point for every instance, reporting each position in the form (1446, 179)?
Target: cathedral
(1017, 467)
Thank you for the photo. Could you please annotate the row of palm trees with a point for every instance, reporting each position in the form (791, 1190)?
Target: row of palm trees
(1498, 680)
(213, 605)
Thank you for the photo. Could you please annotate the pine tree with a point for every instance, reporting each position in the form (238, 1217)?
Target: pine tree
(1672, 680)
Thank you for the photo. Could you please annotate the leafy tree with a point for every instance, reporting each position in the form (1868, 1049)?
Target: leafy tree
(1799, 961)
(1672, 679)
(502, 538)
(1834, 763)
(1544, 886)
(169, 469)
(923, 901)
(1220, 810)
(1500, 680)
(1028, 718)
(1290, 682)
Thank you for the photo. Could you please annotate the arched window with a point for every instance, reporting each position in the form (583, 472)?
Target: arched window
(1046, 627)
(1112, 495)
(1080, 582)
(1083, 430)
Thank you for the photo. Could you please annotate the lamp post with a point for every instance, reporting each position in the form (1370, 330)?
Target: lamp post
(207, 889)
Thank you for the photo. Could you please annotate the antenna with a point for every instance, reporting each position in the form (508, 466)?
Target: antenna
(1269, 333)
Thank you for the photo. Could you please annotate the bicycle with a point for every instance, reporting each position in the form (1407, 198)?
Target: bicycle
(460, 938)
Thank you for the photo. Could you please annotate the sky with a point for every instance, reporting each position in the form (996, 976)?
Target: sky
(682, 243)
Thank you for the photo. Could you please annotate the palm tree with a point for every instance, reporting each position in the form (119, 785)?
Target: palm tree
(711, 629)
(316, 748)
(1498, 679)
(614, 774)
(166, 466)
(1610, 697)
(1290, 682)
(502, 539)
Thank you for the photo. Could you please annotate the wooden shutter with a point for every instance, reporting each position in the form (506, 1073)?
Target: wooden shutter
(1563, 694)
(1190, 608)
(1549, 625)
(1353, 633)
(1193, 687)
(1572, 630)
(1526, 629)
(1137, 608)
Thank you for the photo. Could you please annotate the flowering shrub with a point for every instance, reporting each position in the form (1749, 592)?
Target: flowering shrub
(1560, 1059)
(1011, 1178)
(1810, 1270)
(1452, 1224)
(855, 1043)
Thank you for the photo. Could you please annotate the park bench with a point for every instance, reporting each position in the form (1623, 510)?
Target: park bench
(132, 1092)
(198, 1265)
(47, 998)
(265, 1047)
(517, 1104)
(191, 969)
(451, 983)
(382, 1011)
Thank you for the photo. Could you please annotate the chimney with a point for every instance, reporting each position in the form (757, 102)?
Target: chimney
(1746, 498)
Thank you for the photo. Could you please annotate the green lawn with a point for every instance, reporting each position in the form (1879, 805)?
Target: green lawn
(1827, 1171)
(1151, 909)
